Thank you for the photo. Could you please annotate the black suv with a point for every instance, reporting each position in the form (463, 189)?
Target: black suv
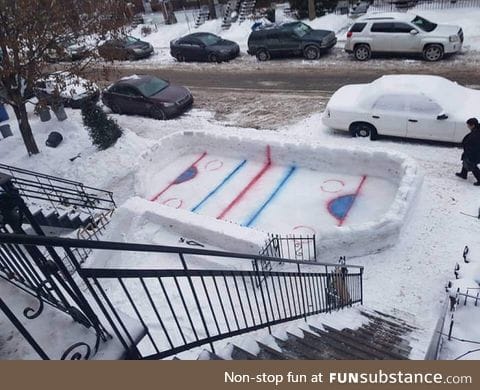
(288, 39)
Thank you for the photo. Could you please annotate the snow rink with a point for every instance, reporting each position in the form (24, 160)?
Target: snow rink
(269, 195)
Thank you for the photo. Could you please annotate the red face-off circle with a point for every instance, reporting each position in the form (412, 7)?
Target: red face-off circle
(173, 202)
(332, 186)
(213, 165)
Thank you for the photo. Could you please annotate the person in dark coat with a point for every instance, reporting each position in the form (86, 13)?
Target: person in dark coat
(471, 151)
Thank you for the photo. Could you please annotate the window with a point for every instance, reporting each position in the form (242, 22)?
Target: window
(403, 28)
(421, 104)
(395, 103)
(152, 86)
(357, 27)
(424, 24)
(382, 27)
(125, 90)
(208, 40)
(301, 29)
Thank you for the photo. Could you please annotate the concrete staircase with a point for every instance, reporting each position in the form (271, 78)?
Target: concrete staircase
(232, 6)
(352, 334)
(201, 17)
(246, 9)
(69, 219)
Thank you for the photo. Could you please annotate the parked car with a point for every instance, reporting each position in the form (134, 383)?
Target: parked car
(289, 39)
(203, 47)
(128, 48)
(413, 106)
(147, 95)
(402, 33)
(64, 87)
(68, 50)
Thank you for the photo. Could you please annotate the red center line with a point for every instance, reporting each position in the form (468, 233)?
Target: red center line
(364, 177)
(249, 186)
(173, 182)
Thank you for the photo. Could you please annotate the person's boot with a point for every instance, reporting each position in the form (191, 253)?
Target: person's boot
(476, 173)
(462, 174)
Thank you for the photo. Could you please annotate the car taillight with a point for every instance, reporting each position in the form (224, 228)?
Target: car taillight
(349, 34)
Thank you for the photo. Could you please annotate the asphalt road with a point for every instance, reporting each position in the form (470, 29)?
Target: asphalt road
(287, 80)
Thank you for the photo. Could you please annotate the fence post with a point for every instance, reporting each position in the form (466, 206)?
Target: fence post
(302, 292)
(361, 286)
(195, 296)
(263, 297)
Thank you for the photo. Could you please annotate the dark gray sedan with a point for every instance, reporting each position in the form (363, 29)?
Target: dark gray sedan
(128, 48)
(203, 47)
(147, 95)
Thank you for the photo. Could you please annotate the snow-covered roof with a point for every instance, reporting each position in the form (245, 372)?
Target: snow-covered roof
(448, 94)
(402, 16)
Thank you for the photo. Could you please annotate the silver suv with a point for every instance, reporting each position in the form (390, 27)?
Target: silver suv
(402, 33)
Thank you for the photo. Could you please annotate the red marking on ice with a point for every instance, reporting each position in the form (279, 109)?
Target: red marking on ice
(173, 202)
(249, 186)
(303, 227)
(356, 193)
(341, 182)
(153, 199)
(208, 165)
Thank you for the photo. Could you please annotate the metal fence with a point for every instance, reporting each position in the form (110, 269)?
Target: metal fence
(401, 5)
(183, 307)
(347, 6)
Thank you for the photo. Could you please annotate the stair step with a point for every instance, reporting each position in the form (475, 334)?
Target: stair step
(314, 351)
(401, 346)
(363, 344)
(269, 353)
(300, 351)
(316, 341)
(208, 355)
(239, 353)
(394, 322)
(342, 344)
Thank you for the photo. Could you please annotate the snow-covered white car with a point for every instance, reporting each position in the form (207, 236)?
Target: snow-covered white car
(73, 90)
(413, 106)
(398, 32)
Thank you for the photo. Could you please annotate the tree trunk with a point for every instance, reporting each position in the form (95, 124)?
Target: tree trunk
(25, 129)
(311, 9)
(211, 7)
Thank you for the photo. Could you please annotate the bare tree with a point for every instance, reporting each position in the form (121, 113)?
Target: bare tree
(30, 30)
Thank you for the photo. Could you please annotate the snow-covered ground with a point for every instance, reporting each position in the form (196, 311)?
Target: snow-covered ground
(410, 276)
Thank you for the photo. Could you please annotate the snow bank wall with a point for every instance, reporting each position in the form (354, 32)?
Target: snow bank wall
(332, 242)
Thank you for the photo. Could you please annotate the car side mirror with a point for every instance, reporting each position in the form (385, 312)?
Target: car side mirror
(413, 32)
(442, 117)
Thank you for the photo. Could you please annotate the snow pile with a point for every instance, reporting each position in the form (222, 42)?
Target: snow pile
(460, 101)
(374, 235)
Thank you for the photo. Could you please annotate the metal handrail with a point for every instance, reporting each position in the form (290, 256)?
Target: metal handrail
(53, 241)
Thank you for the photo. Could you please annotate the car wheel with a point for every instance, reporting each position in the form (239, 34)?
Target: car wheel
(214, 58)
(157, 113)
(364, 130)
(131, 57)
(433, 52)
(263, 55)
(180, 57)
(311, 53)
(362, 52)
(115, 108)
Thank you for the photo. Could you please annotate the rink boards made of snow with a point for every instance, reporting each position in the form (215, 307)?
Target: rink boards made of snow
(262, 190)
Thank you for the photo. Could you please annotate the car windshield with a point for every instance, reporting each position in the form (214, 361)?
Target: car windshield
(152, 86)
(301, 29)
(131, 41)
(209, 39)
(424, 24)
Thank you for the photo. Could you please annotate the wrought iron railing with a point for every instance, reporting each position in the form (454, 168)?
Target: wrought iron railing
(185, 306)
(58, 192)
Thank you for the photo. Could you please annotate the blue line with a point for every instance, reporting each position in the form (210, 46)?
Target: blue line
(272, 196)
(223, 182)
